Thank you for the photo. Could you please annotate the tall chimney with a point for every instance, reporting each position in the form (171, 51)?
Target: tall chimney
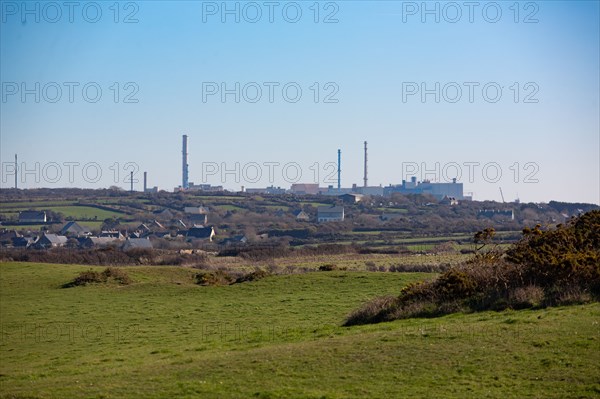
(365, 178)
(131, 180)
(145, 181)
(16, 172)
(339, 170)
(184, 184)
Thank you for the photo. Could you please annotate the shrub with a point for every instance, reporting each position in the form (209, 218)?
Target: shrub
(118, 275)
(110, 274)
(327, 267)
(545, 268)
(374, 311)
(568, 254)
(253, 276)
(371, 267)
(217, 277)
(87, 277)
(455, 284)
(526, 297)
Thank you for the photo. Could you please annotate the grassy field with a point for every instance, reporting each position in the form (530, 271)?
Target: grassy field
(76, 212)
(279, 337)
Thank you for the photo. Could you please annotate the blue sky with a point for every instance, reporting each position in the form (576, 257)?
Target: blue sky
(366, 61)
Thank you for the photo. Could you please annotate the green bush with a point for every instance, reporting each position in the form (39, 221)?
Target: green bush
(253, 276)
(328, 267)
(545, 268)
(217, 277)
(110, 274)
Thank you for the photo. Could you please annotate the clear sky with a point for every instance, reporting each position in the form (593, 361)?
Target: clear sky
(422, 92)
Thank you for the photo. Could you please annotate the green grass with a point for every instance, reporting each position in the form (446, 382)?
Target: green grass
(277, 207)
(85, 212)
(29, 227)
(392, 210)
(23, 205)
(314, 204)
(229, 207)
(279, 337)
(76, 212)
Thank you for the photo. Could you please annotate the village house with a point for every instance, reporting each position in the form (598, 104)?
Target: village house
(74, 229)
(301, 216)
(32, 217)
(351, 198)
(449, 201)
(91, 242)
(48, 240)
(199, 219)
(201, 233)
(330, 214)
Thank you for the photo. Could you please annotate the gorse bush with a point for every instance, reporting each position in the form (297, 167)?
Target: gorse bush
(545, 268)
(225, 277)
(110, 274)
(567, 255)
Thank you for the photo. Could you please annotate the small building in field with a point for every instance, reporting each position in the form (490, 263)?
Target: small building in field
(330, 214)
(198, 218)
(351, 198)
(23, 242)
(449, 201)
(48, 240)
(32, 217)
(74, 229)
(163, 214)
(112, 233)
(91, 242)
(304, 188)
(201, 233)
(301, 216)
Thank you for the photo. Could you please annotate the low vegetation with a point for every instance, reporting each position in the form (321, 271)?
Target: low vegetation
(164, 336)
(560, 266)
(224, 277)
(109, 275)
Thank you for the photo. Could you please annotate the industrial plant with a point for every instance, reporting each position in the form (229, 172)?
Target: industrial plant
(440, 191)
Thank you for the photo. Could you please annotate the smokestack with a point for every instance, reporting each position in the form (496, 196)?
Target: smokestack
(16, 172)
(145, 181)
(131, 180)
(365, 178)
(184, 184)
(339, 170)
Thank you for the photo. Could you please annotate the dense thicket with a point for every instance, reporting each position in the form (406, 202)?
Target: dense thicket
(545, 268)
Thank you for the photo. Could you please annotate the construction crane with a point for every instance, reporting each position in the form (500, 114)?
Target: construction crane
(502, 195)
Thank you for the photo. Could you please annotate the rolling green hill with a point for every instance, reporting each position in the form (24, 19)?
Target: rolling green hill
(279, 337)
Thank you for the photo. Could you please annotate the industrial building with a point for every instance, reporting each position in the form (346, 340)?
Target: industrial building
(438, 190)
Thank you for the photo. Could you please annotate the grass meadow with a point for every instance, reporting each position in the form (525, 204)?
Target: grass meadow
(280, 337)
